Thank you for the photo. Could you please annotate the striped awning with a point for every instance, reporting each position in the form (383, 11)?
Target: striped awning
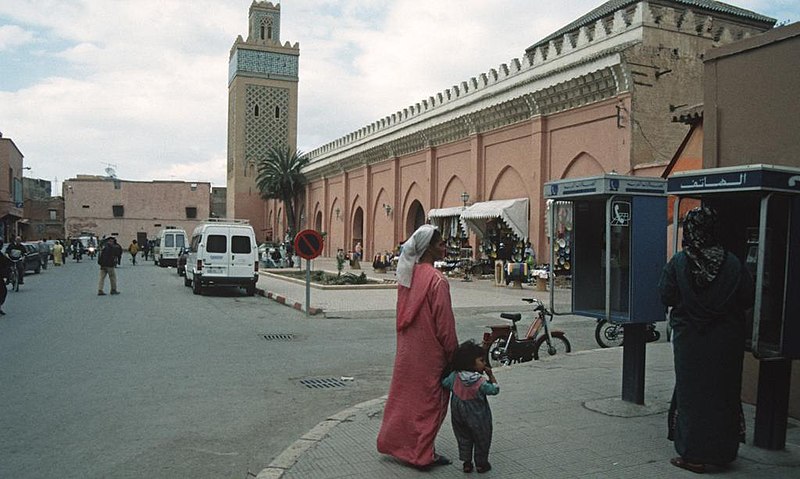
(513, 213)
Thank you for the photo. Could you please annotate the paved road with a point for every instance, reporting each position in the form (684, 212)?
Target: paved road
(158, 382)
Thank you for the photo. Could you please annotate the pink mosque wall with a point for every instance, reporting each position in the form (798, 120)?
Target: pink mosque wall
(510, 162)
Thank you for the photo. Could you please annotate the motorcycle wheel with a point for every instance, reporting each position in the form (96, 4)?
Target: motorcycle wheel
(608, 335)
(14, 282)
(559, 344)
(494, 357)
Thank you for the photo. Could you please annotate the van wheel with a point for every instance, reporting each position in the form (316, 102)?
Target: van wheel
(187, 282)
(197, 288)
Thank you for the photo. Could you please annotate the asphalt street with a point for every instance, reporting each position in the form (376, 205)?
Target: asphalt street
(158, 382)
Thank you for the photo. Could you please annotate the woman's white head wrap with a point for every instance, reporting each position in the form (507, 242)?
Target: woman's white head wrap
(413, 249)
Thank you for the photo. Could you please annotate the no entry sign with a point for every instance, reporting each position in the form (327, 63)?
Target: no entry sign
(308, 244)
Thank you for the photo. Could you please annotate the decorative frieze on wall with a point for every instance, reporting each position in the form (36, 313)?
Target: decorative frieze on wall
(262, 64)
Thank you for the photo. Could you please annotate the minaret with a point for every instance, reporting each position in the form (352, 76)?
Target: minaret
(262, 108)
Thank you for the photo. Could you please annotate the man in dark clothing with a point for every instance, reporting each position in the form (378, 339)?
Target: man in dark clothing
(108, 263)
(5, 265)
(17, 245)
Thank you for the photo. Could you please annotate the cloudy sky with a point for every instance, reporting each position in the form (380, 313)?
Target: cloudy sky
(142, 84)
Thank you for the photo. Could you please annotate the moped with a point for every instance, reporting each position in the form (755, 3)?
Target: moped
(504, 346)
(609, 335)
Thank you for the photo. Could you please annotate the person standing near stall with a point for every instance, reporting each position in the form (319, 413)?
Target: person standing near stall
(709, 290)
(426, 341)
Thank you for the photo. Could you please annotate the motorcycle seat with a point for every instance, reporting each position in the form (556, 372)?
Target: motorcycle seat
(512, 316)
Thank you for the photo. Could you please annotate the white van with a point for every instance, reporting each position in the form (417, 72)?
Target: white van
(168, 246)
(222, 253)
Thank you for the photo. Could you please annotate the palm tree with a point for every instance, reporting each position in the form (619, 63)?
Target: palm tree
(279, 177)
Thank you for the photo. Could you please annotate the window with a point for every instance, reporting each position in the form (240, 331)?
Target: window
(169, 241)
(277, 112)
(53, 215)
(216, 244)
(255, 110)
(85, 206)
(262, 32)
(191, 212)
(240, 244)
(117, 184)
(118, 210)
(180, 241)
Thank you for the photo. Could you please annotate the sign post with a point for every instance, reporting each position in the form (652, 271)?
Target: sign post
(308, 245)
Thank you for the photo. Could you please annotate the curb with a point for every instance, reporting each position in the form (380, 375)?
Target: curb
(278, 298)
(289, 457)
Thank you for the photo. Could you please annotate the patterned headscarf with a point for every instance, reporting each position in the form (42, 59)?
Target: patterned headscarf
(701, 245)
(412, 251)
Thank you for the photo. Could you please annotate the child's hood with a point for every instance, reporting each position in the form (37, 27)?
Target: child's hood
(469, 377)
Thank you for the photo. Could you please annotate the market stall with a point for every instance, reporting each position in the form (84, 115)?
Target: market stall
(453, 232)
(501, 227)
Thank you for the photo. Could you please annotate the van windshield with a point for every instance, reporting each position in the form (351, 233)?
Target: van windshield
(169, 241)
(240, 244)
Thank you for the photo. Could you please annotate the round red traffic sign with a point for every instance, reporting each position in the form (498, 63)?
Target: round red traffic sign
(308, 244)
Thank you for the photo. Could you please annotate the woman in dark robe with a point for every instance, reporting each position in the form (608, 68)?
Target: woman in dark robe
(709, 290)
(426, 341)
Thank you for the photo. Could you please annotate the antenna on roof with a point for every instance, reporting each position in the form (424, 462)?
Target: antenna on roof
(111, 170)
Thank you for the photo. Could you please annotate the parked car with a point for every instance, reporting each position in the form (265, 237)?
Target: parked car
(222, 253)
(32, 261)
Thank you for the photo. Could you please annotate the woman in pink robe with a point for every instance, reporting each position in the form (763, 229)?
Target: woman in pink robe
(426, 340)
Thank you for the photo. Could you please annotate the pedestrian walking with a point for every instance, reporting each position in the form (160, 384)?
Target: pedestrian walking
(426, 341)
(145, 249)
(133, 249)
(108, 263)
(469, 408)
(5, 266)
(709, 290)
(58, 254)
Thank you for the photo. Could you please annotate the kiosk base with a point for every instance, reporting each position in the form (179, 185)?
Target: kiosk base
(633, 363)
(772, 406)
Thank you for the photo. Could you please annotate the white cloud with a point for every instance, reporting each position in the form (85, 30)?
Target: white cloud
(12, 36)
(143, 84)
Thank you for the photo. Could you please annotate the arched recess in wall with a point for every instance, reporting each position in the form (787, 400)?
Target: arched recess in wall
(452, 192)
(358, 226)
(582, 166)
(317, 218)
(250, 169)
(508, 185)
(415, 217)
(413, 209)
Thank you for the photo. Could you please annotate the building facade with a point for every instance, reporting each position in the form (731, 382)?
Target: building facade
(592, 98)
(44, 214)
(11, 201)
(262, 109)
(130, 210)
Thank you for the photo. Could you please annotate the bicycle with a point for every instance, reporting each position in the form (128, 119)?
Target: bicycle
(13, 275)
(503, 345)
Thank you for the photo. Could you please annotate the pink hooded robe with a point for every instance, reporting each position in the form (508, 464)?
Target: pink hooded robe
(426, 340)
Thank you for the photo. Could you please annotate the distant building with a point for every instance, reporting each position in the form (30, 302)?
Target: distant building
(262, 110)
(218, 202)
(44, 214)
(107, 206)
(10, 188)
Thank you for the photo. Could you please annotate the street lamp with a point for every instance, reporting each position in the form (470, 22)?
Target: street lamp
(465, 198)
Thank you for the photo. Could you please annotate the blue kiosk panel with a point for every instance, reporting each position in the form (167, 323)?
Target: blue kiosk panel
(619, 245)
(759, 221)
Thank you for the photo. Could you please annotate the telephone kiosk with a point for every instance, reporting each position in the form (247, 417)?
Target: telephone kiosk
(618, 246)
(759, 221)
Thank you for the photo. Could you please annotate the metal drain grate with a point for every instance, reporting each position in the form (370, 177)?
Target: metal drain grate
(278, 337)
(323, 383)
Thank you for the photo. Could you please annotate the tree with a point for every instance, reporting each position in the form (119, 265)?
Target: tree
(280, 178)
